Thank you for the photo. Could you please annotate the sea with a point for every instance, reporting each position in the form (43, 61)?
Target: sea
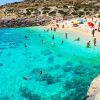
(33, 66)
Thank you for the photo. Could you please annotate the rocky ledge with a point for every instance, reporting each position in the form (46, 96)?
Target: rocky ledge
(25, 22)
(94, 90)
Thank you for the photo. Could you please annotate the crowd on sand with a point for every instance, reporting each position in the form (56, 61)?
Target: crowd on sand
(93, 23)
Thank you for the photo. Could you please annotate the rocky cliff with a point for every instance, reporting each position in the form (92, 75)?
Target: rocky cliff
(30, 12)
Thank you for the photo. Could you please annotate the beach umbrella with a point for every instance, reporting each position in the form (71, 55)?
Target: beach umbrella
(90, 24)
(76, 22)
(80, 20)
(98, 23)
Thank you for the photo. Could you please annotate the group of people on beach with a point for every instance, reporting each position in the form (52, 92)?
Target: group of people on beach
(94, 40)
(88, 45)
(77, 39)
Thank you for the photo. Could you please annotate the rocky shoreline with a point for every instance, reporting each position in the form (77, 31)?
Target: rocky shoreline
(94, 90)
(24, 22)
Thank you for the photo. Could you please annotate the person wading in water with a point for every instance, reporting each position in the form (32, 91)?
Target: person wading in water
(88, 44)
(53, 37)
(66, 35)
(94, 41)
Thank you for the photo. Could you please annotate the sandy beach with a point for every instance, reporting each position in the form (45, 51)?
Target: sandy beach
(83, 31)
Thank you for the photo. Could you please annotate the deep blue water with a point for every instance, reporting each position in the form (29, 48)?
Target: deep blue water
(32, 70)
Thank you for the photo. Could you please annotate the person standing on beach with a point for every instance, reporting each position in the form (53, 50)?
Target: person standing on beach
(94, 41)
(51, 28)
(62, 26)
(93, 32)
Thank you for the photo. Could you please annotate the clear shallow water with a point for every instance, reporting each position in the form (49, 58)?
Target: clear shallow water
(67, 69)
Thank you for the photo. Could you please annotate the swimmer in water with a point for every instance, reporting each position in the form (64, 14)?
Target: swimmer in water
(47, 30)
(78, 39)
(62, 42)
(26, 78)
(25, 37)
(53, 37)
(41, 72)
(43, 41)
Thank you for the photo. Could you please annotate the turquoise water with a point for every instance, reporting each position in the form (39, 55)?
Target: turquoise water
(59, 72)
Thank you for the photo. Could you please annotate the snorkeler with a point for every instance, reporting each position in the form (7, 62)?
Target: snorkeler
(26, 78)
